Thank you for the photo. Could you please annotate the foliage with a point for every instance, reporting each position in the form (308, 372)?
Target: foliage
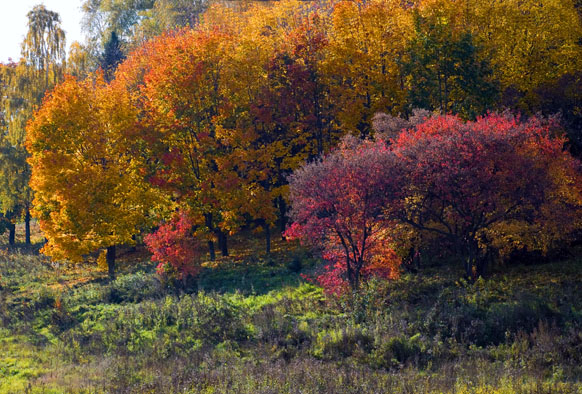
(337, 204)
(23, 86)
(496, 182)
(226, 109)
(89, 193)
(443, 71)
(174, 245)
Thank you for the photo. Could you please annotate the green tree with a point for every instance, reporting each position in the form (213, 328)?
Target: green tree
(443, 69)
(112, 56)
(24, 86)
(101, 17)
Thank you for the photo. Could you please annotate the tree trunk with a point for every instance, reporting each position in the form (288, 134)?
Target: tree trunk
(282, 216)
(211, 251)
(268, 238)
(27, 227)
(133, 248)
(471, 260)
(110, 258)
(208, 219)
(12, 234)
(222, 242)
(468, 268)
(483, 263)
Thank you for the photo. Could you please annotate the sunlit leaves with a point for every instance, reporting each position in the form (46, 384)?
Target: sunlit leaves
(89, 194)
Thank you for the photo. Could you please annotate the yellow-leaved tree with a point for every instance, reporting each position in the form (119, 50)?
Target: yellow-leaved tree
(89, 192)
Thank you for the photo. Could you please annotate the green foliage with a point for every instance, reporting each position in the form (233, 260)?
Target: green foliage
(516, 332)
(444, 72)
(133, 288)
(343, 342)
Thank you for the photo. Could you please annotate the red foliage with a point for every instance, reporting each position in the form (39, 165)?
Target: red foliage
(493, 181)
(175, 248)
(337, 204)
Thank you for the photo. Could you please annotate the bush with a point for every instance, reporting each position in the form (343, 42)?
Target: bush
(174, 247)
(133, 288)
(396, 351)
(351, 340)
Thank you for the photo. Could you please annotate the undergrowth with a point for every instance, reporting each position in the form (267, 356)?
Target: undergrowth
(252, 325)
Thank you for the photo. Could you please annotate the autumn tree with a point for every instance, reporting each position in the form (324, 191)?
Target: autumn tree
(496, 182)
(89, 194)
(529, 42)
(181, 94)
(337, 204)
(367, 41)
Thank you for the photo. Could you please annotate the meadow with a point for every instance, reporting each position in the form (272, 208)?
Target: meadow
(251, 324)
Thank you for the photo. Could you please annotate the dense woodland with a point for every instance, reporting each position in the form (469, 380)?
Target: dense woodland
(385, 191)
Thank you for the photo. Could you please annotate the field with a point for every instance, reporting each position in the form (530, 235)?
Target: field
(253, 325)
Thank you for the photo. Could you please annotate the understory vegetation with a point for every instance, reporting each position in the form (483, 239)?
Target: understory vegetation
(251, 324)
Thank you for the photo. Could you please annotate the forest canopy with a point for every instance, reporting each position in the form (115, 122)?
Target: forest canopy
(212, 119)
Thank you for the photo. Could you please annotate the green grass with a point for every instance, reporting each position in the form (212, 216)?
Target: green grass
(250, 324)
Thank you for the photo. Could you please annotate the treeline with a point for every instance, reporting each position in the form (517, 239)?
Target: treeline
(211, 120)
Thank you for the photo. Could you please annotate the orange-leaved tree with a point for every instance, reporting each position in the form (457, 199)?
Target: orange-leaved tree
(181, 94)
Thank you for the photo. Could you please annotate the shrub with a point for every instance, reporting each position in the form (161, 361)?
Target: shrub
(396, 351)
(174, 247)
(337, 206)
(497, 182)
(351, 340)
(132, 288)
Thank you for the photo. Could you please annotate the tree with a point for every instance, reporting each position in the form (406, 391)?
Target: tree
(168, 15)
(14, 191)
(496, 182)
(529, 42)
(43, 51)
(337, 203)
(443, 69)
(367, 40)
(181, 96)
(89, 191)
(111, 56)
(105, 16)
(78, 62)
(24, 86)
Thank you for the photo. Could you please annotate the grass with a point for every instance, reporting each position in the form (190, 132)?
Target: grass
(252, 325)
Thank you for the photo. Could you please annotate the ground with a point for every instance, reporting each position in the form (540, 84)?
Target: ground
(251, 324)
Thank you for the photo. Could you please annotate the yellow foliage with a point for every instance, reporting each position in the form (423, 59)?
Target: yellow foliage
(86, 176)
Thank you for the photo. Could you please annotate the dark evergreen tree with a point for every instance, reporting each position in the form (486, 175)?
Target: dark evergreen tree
(111, 56)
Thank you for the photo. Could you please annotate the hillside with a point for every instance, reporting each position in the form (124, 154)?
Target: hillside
(254, 326)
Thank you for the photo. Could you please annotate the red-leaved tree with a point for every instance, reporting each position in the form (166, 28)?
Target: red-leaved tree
(497, 182)
(338, 204)
(175, 248)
